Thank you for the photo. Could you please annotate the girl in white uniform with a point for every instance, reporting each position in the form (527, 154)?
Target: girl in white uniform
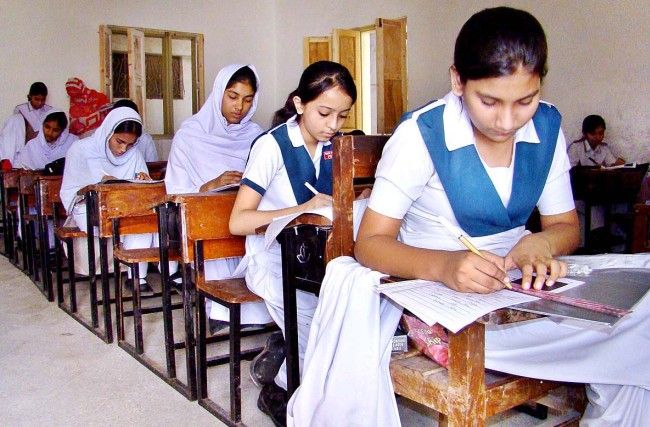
(144, 144)
(51, 143)
(489, 140)
(280, 163)
(107, 154)
(209, 151)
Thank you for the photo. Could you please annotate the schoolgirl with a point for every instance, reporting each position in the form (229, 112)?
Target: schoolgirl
(108, 153)
(489, 139)
(51, 143)
(144, 144)
(210, 150)
(281, 162)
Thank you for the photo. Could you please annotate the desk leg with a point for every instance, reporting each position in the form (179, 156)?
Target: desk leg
(290, 315)
(168, 324)
(106, 289)
(189, 293)
(92, 273)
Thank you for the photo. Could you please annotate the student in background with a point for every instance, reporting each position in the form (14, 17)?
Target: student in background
(489, 139)
(281, 161)
(590, 150)
(51, 143)
(34, 109)
(144, 144)
(107, 154)
(23, 124)
(209, 151)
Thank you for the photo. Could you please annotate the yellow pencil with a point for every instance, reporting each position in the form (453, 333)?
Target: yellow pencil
(467, 243)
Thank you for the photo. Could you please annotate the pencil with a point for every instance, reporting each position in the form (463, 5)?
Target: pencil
(311, 188)
(467, 243)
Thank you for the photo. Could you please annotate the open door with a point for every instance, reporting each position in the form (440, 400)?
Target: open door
(391, 72)
(346, 50)
(316, 49)
(137, 83)
(105, 61)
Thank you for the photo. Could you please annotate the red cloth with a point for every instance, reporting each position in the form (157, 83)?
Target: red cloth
(87, 106)
(432, 341)
(5, 165)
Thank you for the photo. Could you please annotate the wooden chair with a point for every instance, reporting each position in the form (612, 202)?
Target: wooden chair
(463, 394)
(205, 232)
(640, 229)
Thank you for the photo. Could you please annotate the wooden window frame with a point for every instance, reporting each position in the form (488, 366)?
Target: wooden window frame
(198, 69)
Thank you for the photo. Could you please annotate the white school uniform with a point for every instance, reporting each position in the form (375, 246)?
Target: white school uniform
(334, 391)
(204, 147)
(266, 172)
(581, 153)
(87, 161)
(32, 115)
(12, 138)
(38, 152)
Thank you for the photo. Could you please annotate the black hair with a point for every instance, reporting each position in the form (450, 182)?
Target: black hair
(129, 126)
(126, 102)
(591, 123)
(59, 117)
(243, 75)
(495, 42)
(316, 79)
(37, 88)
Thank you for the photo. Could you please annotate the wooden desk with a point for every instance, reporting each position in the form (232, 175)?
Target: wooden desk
(157, 170)
(27, 202)
(606, 187)
(104, 202)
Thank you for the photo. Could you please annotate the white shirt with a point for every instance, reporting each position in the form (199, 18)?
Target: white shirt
(580, 152)
(33, 116)
(407, 186)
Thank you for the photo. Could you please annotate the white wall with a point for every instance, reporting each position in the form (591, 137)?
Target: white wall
(599, 50)
(599, 54)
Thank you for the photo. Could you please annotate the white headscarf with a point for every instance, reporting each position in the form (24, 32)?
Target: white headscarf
(206, 145)
(38, 152)
(89, 159)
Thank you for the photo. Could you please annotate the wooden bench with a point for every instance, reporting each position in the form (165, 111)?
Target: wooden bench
(46, 190)
(10, 198)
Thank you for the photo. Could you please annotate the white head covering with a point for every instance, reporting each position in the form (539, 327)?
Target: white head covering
(206, 145)
(38, 152)
(89, 159)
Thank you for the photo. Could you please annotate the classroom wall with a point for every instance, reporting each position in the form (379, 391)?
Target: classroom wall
(53, 40)
(599, 54)
(599, 50)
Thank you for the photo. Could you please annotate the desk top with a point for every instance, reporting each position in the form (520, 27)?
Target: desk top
(596, 185)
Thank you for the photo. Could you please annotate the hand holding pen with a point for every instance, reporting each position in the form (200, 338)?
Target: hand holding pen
(318, 201)
(492, 266)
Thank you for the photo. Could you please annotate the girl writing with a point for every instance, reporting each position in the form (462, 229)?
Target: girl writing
(281, 162)
(491, 140)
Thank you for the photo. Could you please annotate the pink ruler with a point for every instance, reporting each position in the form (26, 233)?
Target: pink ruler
(576, 302)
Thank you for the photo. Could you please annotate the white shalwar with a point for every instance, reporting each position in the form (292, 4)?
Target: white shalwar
(87, 161)
(613, 361)
(205, 147)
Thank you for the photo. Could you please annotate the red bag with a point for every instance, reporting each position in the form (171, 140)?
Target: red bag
(88, 108)
(432, 341)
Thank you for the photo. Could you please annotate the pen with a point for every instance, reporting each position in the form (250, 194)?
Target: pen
(311, 188)
(595, 162)
(455, 231)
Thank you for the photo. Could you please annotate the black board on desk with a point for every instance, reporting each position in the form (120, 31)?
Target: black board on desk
(618, 287)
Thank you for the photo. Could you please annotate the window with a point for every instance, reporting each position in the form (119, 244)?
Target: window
(376, 58)
(161, 71)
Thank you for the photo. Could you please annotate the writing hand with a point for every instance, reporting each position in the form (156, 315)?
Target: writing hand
(142, 176)
(468, 272)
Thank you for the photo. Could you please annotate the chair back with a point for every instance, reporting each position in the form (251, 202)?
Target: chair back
(205, 217)
(355, 158)
(47, 190)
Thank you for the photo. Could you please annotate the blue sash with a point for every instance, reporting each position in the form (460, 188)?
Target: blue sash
(300, 167)
(473, 198)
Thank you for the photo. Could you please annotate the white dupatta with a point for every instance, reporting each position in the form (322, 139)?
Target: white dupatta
(206, 145)
(38, 152)
(89, 159)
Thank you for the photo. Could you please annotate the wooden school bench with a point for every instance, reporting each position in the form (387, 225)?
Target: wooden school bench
(10, 198)
(27, 203)
(46, 189)
(465, 393)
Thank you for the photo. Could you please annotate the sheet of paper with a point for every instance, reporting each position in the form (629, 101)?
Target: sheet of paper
(435, 303)
(278, 224)
(132, 181)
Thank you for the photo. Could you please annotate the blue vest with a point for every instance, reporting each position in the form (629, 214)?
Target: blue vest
(300, 168)
(473, 198)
